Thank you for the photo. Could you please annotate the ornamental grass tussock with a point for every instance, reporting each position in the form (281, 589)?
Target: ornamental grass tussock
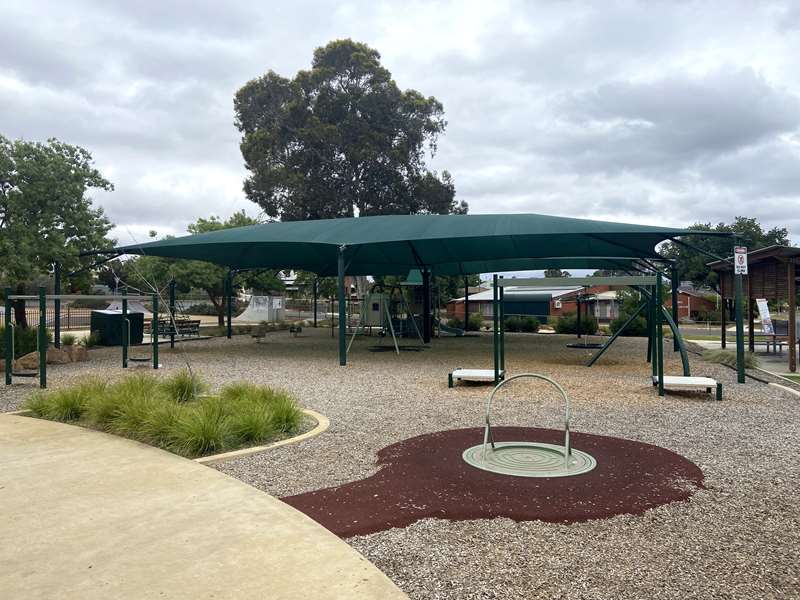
(171, 413)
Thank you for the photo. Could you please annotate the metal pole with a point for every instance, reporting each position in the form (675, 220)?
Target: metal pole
(229, 304)
(9, 332)
(42, 333)
(466, 303)
(342, 316)
(675, 308)
(172, 324)
(57, 305)
(792, 331)
(739, 331)
(126, 327)
(154, 331)
(316, 289)
(501, 297)
(659, 335)
(578, 316)
(653, 334)
(495, 330)
(426, 306)
(723, 313)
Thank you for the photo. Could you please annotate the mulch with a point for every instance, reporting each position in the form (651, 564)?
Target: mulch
(425, 477)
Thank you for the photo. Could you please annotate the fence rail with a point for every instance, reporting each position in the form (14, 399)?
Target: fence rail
(71, 318)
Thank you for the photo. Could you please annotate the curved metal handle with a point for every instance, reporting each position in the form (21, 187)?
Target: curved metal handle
(567, 411)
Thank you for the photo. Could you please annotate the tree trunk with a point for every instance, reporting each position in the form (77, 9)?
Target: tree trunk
(20, 316)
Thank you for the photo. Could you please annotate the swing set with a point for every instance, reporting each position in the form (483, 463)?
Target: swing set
(385, 306)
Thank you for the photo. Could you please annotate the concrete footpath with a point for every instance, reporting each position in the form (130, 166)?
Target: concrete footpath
(88, 515)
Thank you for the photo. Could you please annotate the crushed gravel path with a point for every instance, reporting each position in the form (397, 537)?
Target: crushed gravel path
(738, 538)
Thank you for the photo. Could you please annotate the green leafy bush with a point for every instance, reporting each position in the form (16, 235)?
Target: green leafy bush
(530, 324)
(91, 340)
(68, 339)
(475, 322)
(168, 414)
(728, 357)
(569, 324)
(25, 340)
(637, 328)
(513, 324)
(455, 322)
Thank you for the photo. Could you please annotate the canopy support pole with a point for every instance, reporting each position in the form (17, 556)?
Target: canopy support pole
(154, 331)
(9, 332)
(501, 298)
(172, 324)
(659, 335)
(42, 335)
(495, 330)
(342, 315)
(578, 315)
(316, 291)
(675, 317)
(126, 328)
(739, 330)
(229, 304)
(426, 305)
(792, 331)
(57, 305)
(466, 303)
(653, 333)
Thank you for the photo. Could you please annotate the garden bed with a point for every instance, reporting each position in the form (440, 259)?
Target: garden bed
(176, 413)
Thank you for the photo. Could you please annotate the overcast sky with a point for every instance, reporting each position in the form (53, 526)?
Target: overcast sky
(653, 112)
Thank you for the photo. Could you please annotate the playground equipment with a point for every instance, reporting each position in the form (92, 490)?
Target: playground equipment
(528, 459)
(42, 342)
(586, 343)
(263, 308)
(386, 308)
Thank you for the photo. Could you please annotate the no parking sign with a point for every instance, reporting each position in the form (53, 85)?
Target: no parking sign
(740, 260)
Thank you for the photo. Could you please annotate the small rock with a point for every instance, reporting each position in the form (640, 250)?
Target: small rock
(76, 353)
(56, 356)
(28, 362)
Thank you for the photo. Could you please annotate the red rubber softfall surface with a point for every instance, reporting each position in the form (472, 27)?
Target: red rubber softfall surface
(425, 477)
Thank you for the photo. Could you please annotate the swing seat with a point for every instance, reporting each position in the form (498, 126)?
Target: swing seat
(31, 374)
(691, 383)
(140, 358)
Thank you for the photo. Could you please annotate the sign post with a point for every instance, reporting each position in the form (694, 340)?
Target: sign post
(739, 270)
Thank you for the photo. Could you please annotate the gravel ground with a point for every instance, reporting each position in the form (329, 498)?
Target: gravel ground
(739, 538)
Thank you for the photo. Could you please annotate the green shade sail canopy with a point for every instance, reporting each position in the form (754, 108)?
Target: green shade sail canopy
(448, 244)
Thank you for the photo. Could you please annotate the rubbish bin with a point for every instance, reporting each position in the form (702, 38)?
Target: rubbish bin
(109, 326)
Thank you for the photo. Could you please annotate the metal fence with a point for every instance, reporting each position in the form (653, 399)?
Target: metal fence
(71, 318)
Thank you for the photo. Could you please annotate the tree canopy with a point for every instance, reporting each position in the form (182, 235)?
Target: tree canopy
(693, 265)
(341, 140)
(147, 271)
(45, 213)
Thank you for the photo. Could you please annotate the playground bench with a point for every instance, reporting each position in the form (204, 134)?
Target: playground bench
(183, 327)
(691, 383)
(295, 329)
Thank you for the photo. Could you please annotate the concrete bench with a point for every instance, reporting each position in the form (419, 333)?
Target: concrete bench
(691, 383)
(483, 375)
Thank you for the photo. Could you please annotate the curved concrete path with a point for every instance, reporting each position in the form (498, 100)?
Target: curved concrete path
(89, 515)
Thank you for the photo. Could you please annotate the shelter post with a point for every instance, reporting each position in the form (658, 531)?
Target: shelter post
(495, 330)
(659, 334)
(9, 333)
(739, 330)
(172, 324)
(57, 305)
(654, 332)
(466, 303)
(342, 316)
(315, 292)
(42, 337)
(229, 304)
(126, 328)
(792, 331)
(154, 331)
(648, 317)
(674, 281)
(578, 314)
(426, 306)
(501, 298)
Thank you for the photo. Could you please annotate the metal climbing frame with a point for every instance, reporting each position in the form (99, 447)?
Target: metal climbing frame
(488, 437)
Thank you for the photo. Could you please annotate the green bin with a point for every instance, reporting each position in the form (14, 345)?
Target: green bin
(109, 326)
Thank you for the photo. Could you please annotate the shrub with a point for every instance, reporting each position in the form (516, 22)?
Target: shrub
(475, 322)
(183, 386)
(285, 414)
(569, 324)
(25, 340)
(530, 324)
(513, 324)
(91, 340)
(69, 404)
(637, 328)
(728, 357)
(455, 322)
(68, 339)
(204, 430)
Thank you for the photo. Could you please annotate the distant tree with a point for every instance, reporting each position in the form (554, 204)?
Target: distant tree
(148, 272)
(341, 139)
(45, 214)
(608, 273)
(693, 265)
(556, 273)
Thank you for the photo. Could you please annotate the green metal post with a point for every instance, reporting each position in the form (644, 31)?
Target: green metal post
(659, 335)
(229, 304)
(578, 314)
(42, 337)
(126, 326)
(495, 330)
(426, 306)
(154, 331)
(653, 334)
(316, 292)
(674, 281)
(342, 315)
(57, 305)
(9, 332)
(648, 315)
(172, 286)
(739, 330)
(501, 297)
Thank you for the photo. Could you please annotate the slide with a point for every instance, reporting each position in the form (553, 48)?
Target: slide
(449, 330)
